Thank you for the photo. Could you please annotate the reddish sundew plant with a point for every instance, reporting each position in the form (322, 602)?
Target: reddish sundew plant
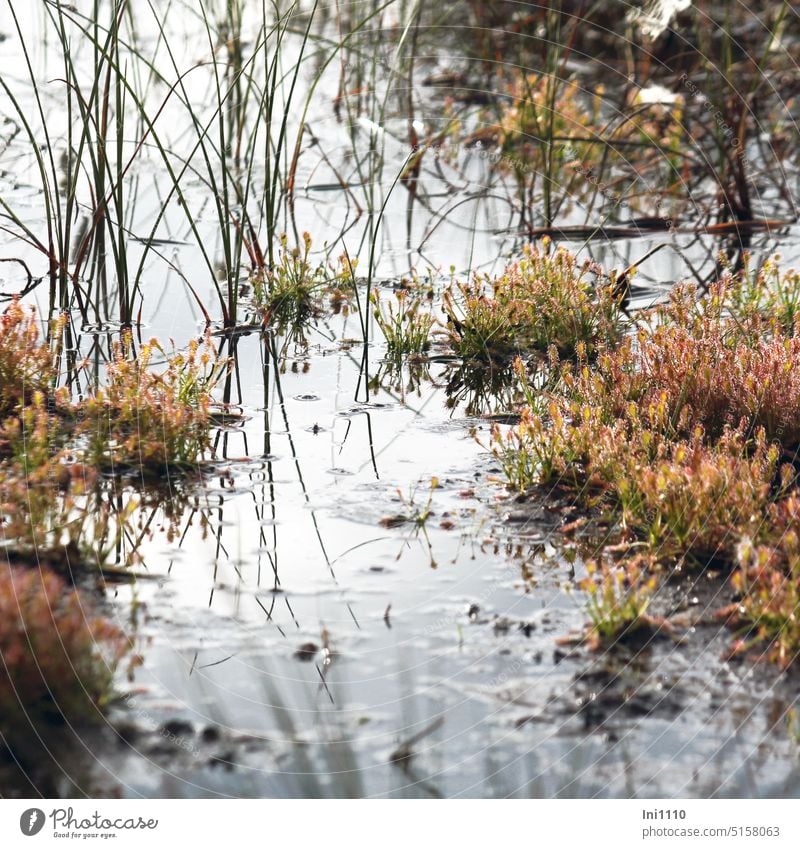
(156, 417)
(768, 581)
(148, 418)
(679, 437)
(684, 497)
(43, 489)
(545, 299)
(709, 375)
(58, 655)
(27, 365)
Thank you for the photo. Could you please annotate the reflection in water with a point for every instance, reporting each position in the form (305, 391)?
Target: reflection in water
(422, 682)
(404, 378)
(481, 389)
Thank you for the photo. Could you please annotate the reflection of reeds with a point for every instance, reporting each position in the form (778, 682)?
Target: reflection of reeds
(321, 752)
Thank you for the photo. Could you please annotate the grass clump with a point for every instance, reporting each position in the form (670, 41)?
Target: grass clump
(546, 299)
(58, 655)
